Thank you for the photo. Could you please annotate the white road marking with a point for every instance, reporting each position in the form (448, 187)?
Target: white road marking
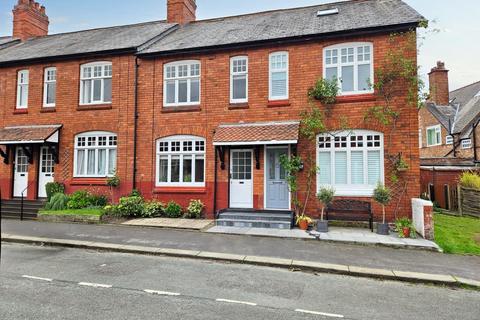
(331, 315)
(94, 285)
(37, 278)
(237, 302)
(162, 293)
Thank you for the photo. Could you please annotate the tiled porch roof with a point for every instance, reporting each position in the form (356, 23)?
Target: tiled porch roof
(29, 134)
(257, 133)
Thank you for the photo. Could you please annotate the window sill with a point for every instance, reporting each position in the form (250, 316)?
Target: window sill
(89, 181)
(238, 106)
(181, 109)
(186, 190)
(87, 107)
(20, 111)
(364, 97)
(48, 110)
(278, 103)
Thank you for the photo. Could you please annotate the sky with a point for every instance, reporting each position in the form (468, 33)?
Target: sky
(457, 41)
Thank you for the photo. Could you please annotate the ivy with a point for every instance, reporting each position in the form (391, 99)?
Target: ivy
(325, 91)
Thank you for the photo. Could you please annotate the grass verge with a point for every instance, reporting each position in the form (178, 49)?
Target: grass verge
(458, 235)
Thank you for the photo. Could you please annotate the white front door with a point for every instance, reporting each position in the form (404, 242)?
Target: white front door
(277, 194)
(46, 174)
(241, 179)
(20, 176)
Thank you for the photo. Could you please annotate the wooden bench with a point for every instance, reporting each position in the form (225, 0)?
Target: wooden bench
(350, 210)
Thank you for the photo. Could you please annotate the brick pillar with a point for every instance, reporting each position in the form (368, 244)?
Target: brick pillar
(428, 222)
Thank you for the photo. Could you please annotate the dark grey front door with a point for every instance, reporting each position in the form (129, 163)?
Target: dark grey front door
(277, 194)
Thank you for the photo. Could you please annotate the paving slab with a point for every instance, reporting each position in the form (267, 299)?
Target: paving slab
(190, 224)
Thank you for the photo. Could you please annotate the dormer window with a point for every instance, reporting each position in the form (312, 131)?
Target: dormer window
(351, 64)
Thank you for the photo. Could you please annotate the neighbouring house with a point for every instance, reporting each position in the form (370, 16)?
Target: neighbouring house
(449, 137)
(203, 109)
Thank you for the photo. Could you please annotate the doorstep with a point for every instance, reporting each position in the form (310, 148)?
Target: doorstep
(188, 224)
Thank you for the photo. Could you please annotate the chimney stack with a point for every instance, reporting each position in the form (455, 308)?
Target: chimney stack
(439, 91)
(181, 11)
(29, 20)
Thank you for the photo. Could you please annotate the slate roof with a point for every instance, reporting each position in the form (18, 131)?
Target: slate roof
(256, 133)
(27, 134)
(467, 101)
(88, 41)
(289, 23)
(6, 41)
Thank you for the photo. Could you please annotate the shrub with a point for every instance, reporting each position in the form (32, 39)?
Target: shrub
(195, 209)
(79, 200)
(57, 202)
(326, 196)
(470, 180)
(153, 209)
(98, 201)
(325, 91)
(173, 210)
(383, 196)
(54, 187)
(130, 207)
(114, 181)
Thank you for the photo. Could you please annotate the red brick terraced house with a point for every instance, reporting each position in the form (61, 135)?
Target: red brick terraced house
(449, 137)
(203, 109)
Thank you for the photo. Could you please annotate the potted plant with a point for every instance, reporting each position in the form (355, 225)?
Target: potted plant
(303, 222)
(401, 165)
(326, 196)
(404, 227)
(383, 196)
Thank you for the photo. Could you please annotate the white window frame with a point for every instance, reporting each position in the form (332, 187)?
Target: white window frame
(449, 139)
(271, 71)
(109, 146)
(106, 67)
(466, 143)
(349, 189)
(181, 154)
(22, 86)
(234, 74)
(46, 81)
(355, 65)
(189, 79)
(438, 132)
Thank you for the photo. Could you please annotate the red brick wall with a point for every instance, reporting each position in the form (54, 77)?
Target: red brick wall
(426, 119)
(439, 179)
(117, 118)
(305, 69)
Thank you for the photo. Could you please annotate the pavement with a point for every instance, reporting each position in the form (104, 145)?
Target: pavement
(352, 259)
(189, 224)
(62, 283)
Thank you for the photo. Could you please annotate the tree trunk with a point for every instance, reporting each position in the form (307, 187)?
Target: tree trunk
(321, 217)
(383, 209)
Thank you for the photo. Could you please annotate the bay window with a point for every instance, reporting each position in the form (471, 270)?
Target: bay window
(96, 83)
(49, 87)
(351, 162)
(239, 80)
(181, 161)
(181, 83)
(351, 64)
(434, 136)
(95, 154)
(22, 89)
(278, 83)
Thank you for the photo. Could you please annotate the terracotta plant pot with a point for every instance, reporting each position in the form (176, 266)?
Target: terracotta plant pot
(406, 232)
(303, 224)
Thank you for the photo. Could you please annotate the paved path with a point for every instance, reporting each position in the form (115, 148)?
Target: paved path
(59, 283)
(325, 252)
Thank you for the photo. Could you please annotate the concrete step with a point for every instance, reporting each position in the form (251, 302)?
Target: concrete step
(270, 224)
(256, 216)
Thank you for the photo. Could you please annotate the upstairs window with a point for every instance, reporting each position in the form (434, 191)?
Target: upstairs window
(434, 136)
(96, 83)
(181, 161)
(95, 154)
(449, 139)
(352, 162)
(278, 87)
(181, 84)
(239, 79)
(351, 64)
(22, 89)
(49, 87)
(466, 144)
